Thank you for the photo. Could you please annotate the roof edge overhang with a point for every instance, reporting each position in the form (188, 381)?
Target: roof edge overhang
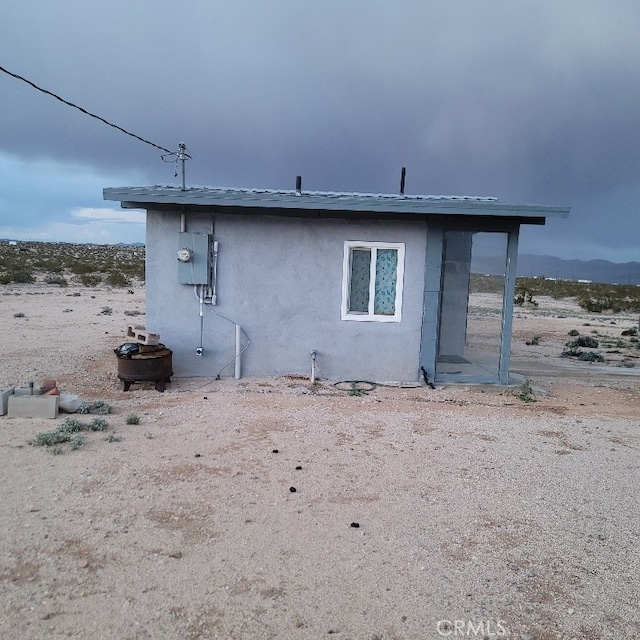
(325, 203)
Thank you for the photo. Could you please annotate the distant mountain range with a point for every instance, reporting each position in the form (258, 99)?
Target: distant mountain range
(595, 270)
(531, 266)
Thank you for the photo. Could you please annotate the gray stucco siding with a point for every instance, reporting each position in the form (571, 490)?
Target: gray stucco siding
(280, 278)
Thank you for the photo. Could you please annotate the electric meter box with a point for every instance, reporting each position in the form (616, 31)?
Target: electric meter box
(194, 258)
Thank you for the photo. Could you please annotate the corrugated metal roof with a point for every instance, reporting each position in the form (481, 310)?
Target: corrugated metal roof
(145, 197)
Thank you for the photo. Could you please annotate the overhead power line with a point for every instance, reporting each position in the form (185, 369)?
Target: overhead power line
(88, 113)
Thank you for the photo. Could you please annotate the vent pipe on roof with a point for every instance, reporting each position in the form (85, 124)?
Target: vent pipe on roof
(298, 185)
(403, 175)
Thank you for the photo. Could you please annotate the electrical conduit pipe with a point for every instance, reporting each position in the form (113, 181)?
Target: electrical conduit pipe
(238, 369)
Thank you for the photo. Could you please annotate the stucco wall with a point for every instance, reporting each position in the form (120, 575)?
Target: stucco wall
(280, 278)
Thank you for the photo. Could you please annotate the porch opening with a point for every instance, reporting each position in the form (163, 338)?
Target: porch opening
(472, 305)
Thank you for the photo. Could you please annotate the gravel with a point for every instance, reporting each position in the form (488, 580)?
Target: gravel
(478, 515)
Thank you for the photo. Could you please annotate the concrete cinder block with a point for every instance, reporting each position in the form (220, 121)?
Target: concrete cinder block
(32, 406)
(26, 391)
(141, 335)
(5, 400)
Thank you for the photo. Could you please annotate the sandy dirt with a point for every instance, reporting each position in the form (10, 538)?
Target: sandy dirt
(479, 514)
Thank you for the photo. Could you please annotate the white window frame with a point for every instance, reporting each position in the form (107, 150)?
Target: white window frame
(370, 316)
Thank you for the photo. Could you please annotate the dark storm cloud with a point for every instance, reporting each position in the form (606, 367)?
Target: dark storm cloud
(534, 102)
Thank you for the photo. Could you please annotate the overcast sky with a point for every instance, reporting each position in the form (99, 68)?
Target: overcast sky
(532, 102)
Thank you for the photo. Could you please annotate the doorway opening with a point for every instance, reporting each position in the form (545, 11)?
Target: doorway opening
(472, 305)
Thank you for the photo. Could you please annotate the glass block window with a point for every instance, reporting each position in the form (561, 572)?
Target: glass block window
(372, 281)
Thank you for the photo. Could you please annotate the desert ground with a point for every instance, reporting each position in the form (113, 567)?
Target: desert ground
(478, 514)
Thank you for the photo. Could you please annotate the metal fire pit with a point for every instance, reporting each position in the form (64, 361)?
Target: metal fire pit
(144, 364)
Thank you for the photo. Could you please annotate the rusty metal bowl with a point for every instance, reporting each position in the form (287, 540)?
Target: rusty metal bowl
(146, 366)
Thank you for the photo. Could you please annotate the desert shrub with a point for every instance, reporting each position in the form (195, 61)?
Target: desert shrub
(108, 264)
(22, 277)
(50, 438)
(81, 268)
(480, 283)
(535, 341)
(596, 304)
(595, 297)
(133, 312)
(584, 341)
(524, 296)
(68, 431)
(76, 442)
(90, 261)
(106, 311)
(574, 332)
(613, 298)
(98, 407)
(591, 356)
(19, 315)
(573, 351)
(52, 265)
(97, 424)
(117, 279)
(71, 425)
(56, 279)
(132, 418)
(90, 279)
(525, 392)
(133, 269)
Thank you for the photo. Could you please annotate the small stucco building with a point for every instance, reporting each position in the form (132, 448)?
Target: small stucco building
(344, 286)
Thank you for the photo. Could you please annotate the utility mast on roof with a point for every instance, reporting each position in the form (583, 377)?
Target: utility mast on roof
(182, 156)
